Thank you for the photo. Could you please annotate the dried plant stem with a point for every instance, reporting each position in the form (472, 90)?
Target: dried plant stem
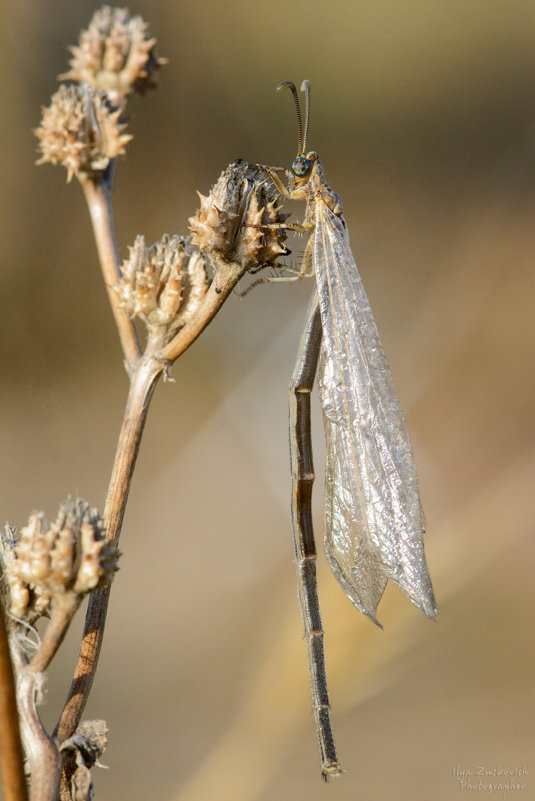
(141, 389)
(143, 382)
(55, 632)
(44, 761)
(98, 196)
(227, 276)
(11, 755)
(137, 407)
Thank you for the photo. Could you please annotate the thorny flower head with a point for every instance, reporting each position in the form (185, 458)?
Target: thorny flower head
(81, 131)
(70, 555)
(163, 284)
(230, 219)
(115, 54)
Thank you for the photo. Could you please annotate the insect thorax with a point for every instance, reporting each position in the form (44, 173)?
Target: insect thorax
(317, 188)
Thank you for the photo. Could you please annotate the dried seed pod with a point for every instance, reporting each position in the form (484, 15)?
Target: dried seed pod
(26, 565)
(259, 245)
(70, 555)
(17, 597)
(229, 218)
(163, 284)
(97, 558)
(81, 131)
(81, 752)
(115, 54)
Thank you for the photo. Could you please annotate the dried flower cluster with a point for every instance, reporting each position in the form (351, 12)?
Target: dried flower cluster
(83, 128)
(230, 219)
(115, 54)
(163, 284)
(70, 555)
(81, 131)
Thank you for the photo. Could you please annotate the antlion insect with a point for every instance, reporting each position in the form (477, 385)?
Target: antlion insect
(374, 522)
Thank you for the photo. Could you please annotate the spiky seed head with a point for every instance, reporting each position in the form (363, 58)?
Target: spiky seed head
(164, 283)
(230, 219)
(71, 554)
(80, 130)
(115, 54)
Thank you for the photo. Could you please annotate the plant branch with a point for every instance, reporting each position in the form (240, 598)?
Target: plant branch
(143, 383)
(62, 614)
(227, 276)
(44, 761)
(97, 193)
(11, 754)
(139, 397)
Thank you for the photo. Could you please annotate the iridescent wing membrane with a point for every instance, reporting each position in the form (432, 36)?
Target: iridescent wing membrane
(374, 520)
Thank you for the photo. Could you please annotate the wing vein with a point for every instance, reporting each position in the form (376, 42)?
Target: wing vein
(374, 522)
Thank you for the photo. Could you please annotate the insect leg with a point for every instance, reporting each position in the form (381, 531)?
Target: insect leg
(272, 172)
(299, 228)
(302, 272)
(305, 549)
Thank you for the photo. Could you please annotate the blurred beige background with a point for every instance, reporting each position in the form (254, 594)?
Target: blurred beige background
(424, 115)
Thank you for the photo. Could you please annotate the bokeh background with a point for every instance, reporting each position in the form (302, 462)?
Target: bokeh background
(424, 115)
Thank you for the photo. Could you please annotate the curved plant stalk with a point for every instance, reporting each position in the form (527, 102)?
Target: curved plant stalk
(98, 196)
(142, 386)
(44, 761)
(11, 754)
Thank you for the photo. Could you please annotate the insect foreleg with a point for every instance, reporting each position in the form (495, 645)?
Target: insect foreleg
(272, 172)
(299, 193)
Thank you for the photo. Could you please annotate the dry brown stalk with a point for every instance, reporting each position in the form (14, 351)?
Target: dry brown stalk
(11, 754)
(98, 196)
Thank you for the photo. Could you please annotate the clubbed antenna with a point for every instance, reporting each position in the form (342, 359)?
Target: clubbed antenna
(291, 86)
(305, 87)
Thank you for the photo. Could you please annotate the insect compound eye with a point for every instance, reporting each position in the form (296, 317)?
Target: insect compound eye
(301, 167)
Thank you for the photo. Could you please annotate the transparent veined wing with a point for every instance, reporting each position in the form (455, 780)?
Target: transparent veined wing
(374, 520)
